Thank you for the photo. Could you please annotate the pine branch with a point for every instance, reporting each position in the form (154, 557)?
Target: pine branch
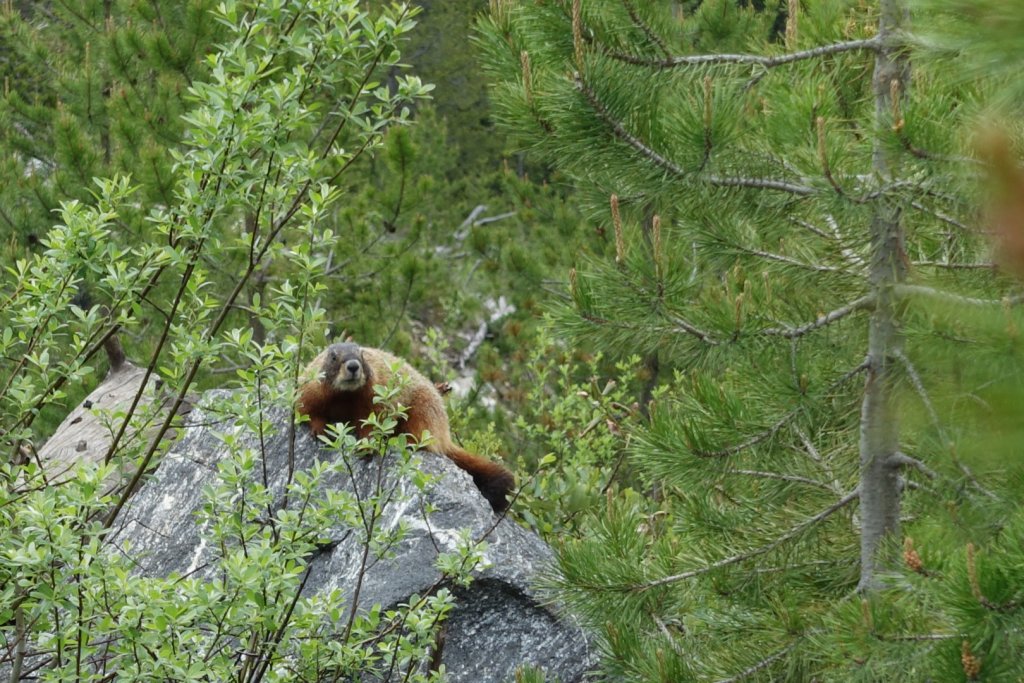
(690, 329)
(834, 236)
(917, 637)
(954, 266)
(904, 460)
(813, 228)
(919, 387)
(785, 477)
(673, 168)
(908, 290)
(860, 304)
(771, 431)
(761, 184)
(758, 60)
(741, 557)
(752, 441)
(771, 256)
(763, 664)
(668, 635)
(972, 578)
(645, 28)
(812, 452)
(944, 217)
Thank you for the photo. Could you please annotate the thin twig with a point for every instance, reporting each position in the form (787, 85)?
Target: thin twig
(676, 647)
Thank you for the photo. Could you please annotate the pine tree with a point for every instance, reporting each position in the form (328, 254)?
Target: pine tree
(792, 228)
(93, 88)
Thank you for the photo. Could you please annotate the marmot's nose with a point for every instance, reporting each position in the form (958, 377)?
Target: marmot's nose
(352, 366)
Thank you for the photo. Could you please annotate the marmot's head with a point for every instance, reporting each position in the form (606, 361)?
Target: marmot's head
(344, 367)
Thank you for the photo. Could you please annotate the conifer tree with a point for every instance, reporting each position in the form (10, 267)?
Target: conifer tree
(94, 88)
(792, 228)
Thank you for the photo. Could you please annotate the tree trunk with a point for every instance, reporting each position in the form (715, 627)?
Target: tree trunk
(879, 423)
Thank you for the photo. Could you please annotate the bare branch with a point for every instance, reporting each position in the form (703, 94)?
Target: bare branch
(470, 221)
(907, 290)
(865, 302)
(474, 345)
(668, 636)
(494, 219)
(974, 480)
(888, 188)
(736, 559)
(758, 60)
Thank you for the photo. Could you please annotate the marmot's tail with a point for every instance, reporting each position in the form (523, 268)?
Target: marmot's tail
(493, 480)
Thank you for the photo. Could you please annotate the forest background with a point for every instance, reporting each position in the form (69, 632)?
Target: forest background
(658, 296)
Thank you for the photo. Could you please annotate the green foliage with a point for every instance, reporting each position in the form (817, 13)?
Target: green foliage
(570, 415)
(794, 248)
(529, 674)
(263, 157)
(976, 40)
(95, 89)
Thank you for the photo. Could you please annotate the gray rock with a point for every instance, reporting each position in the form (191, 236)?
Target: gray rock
(500, 622)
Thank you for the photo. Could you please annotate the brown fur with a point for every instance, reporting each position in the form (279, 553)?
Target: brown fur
(338, 390)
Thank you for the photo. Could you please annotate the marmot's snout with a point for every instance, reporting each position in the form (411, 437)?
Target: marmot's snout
(352, 369)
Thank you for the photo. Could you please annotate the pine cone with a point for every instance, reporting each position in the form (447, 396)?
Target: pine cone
(910, 556)
(971, 664)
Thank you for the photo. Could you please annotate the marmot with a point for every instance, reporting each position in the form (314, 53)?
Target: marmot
(339, 388)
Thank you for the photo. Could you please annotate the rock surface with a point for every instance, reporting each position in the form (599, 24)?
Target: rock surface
(500, 622)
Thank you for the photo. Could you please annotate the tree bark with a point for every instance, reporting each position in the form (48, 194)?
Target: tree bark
(880, 486)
